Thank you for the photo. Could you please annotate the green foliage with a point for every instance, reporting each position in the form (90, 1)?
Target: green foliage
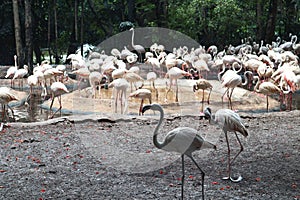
(220, 22)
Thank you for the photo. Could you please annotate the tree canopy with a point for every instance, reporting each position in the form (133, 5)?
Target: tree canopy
(58, 27)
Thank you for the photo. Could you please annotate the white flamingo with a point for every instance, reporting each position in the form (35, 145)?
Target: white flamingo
(229, 121)
(183, 140)
(120, 86)
(57, 89)
(11, 72)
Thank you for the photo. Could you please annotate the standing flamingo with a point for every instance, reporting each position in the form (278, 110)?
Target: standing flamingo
(6, 96)
(95, 79)
(142, 94)
(174, 74)
(20, 74)
(229, 121)
(266, 88)
(288, 78)
(231, 80)
(151, 77)
(120, 86)
(138, 48)
(11, 72)
(82, 73)
(57, 89)
(183, 140)
(132, 78)
(203, 84)
(32, 81)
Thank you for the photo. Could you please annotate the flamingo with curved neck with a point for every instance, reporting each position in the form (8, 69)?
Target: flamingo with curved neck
(231, 80)
(183, 140)
(266, 88)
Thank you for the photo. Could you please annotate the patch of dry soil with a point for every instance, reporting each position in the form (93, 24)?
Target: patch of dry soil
(102, 157)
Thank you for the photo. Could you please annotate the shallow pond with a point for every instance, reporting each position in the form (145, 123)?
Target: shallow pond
(81, 102)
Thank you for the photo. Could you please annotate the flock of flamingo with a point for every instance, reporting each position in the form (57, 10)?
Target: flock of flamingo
(268, 69)
(272, 68)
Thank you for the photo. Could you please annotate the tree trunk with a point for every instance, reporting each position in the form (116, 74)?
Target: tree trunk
(271, 22)
(49, 32)
(259, 20)
(76, 20)
(18, 38)
(55, 33)
(28, 34)
(81, 27)
(38, 53)
(131, 10)
(161, 13)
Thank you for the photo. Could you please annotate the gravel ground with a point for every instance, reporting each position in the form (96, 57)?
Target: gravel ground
(114, 158)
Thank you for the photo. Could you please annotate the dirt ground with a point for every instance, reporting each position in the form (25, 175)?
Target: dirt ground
(113, 157)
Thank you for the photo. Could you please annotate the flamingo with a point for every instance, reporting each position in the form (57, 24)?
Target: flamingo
(83, 73)
(11, 72)
(151, 77)
(229, 121)
(95, 79)
(200, 65)
(61, 68)
(132, 78)
(288, 77)
(203, 84)
(57, 89)
(231, 80)
(6, 96)
(120, 86)
(266, 88)
(32, 81)
(174, 74)
(20, 74)
(141, 94)
(154, 62)
(138, 48)
(183, 140)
